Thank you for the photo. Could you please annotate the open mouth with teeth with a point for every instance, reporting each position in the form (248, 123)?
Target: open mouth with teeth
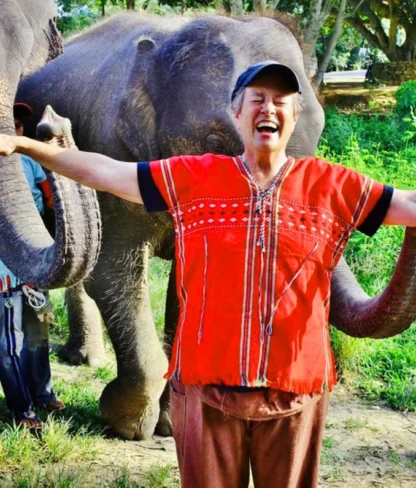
(267, 127)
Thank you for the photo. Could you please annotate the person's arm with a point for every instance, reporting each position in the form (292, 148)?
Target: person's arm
(90, 169)
(402, 209)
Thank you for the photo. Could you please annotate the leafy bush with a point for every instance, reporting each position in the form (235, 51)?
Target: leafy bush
(373, 133)
(406, 99)
(77, 20)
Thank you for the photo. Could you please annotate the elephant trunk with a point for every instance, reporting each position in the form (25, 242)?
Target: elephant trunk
(386, 315)
(25, 244)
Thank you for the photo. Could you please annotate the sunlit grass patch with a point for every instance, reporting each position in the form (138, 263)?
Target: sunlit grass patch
(161, 477)
(21, 448)
(328, 442)
(61, 445)
(353, 424)
(49, 477)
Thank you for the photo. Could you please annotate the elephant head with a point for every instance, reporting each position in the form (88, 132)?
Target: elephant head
(181, 85)
(28, 39)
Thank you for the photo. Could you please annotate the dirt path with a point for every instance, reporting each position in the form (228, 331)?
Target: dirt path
(365, 446)
(368, 446)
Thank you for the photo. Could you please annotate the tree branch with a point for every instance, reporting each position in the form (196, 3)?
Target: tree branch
(326, 9)
(381, 7)
(366, 33)
(354, 12)
(378, 28)
(332, 44)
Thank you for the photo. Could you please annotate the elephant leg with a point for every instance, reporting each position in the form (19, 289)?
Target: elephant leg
(85, 343)
(164, 426)
(130, 403)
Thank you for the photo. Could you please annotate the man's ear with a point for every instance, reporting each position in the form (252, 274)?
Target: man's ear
(237, 120)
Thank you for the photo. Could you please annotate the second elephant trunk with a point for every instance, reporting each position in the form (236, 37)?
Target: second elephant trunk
(386, 315)
(26, 246)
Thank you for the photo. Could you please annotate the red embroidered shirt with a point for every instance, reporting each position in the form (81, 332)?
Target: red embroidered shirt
(254, 267)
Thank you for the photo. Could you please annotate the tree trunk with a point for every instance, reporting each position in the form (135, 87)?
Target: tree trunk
(234, 7)
(323, 66)
(318, 13)
(130, 4)
(260, 6)
(273, 4)
(372, 30)
(103, 2)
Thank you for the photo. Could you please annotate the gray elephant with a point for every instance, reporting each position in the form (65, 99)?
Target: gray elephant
(28, 39)
(142, 89)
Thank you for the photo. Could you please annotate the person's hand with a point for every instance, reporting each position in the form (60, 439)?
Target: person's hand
(47, 317)
(7, 145)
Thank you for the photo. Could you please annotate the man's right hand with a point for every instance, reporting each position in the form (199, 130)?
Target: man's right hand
(7, 145)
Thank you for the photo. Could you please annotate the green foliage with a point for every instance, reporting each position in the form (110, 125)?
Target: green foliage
(360, 134)
(158, 282)
(379, 147)
(406, 99)
(60, 324)
(75, 15)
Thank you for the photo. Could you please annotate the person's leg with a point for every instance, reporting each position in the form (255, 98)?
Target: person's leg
(212, 447)
(285, 452)
(36, 337)
(13, 366)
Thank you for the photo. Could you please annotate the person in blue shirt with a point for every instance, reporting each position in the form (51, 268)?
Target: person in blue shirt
(25, 373)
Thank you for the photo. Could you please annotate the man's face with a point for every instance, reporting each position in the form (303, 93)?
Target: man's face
(18, 125)
(267, 117)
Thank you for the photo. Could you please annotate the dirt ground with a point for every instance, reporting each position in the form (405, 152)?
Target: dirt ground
(355, 96)
(365, 446)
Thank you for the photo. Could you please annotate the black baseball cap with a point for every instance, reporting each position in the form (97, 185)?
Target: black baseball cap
(266, 67)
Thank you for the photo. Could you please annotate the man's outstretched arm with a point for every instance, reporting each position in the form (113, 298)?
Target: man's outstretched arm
(402, 210)
(90, 169)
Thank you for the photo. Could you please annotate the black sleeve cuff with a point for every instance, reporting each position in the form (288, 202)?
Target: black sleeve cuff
(376, 216)
(152, 199)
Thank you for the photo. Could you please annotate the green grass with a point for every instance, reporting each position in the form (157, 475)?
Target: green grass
(61, 476)
(59, 328)
(161, 477)
(20, 448)
(328, 442)
(51, 477)
(353, 424)
(158, 282)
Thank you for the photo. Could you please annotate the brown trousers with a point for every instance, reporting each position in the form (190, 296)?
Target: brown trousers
(215, 449)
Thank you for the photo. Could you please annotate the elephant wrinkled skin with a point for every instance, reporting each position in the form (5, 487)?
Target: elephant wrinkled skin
(28, 39)
(165, 87)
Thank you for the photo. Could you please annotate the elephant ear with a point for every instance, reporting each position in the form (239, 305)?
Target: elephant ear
(136, 120)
